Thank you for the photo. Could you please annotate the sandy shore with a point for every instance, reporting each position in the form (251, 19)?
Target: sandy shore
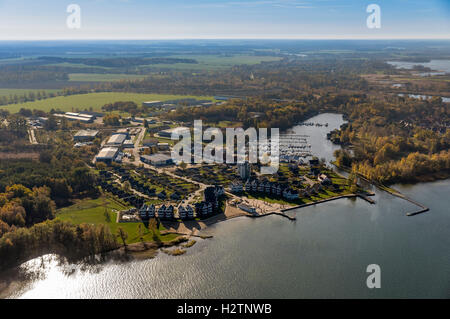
(194, 227)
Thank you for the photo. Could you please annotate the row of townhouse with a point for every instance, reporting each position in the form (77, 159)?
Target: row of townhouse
(185, 212)
(204, 208)
(273, 188)
(257, 186)
(150, 211)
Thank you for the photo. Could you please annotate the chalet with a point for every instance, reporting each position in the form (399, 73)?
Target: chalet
(236, 187)
(175, 196)
(324, 179)
(261, 187)
(254, 186)
(290, 194)
(169, 212)
(182, 212)
(162, 211)
(219, 190)
(185, 212)
(162, 195)
(147, 211)
(203, 208)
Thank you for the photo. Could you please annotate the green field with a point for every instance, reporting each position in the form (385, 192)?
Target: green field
(94, 100)
(93, 212)
(99, 77)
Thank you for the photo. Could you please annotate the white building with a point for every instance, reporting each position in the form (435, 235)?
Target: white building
(116, 140)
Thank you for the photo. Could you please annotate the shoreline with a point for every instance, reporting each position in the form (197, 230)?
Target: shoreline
(392, 191)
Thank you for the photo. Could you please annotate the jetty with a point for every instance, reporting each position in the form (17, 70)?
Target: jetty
(273, 213)
(393, 192)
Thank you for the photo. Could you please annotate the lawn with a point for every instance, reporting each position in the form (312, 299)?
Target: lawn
(94, 100)
(93, 212)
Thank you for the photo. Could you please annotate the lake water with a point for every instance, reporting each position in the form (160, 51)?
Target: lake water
(324, 254)
(442, 66)
(425, 97)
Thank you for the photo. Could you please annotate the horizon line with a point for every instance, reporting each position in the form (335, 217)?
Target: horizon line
(222, 38)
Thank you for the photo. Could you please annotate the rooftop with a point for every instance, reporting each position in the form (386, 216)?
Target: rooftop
(177, 130)
(117, 139)
(107, 152)
(157, 157)
(87, 133)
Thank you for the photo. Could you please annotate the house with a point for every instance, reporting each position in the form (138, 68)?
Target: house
(203, 209)
(220, 191)
(147, 211)
(261, 187)
(324, 180)
(254, 186)
(209, 194)
(162, 211)
(185, 212)
(162, 195)
(236, 187)
(190, 211)
(290, 194)
(182, 212)
(175, 196)
(169, 212)
(247, 186)
(267, 187)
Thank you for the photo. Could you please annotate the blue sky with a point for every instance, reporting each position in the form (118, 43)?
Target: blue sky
(176, 19)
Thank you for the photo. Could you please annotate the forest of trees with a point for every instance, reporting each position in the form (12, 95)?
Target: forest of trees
(55, 236)
(394, 139)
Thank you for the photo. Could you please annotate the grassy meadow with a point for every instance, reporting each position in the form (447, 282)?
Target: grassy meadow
(99, 77)
(93, 212)
(94, 100)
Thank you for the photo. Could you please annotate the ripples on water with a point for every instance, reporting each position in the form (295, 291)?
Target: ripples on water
(324, 254)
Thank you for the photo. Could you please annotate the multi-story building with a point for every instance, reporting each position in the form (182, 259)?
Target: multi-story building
(244, 170)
